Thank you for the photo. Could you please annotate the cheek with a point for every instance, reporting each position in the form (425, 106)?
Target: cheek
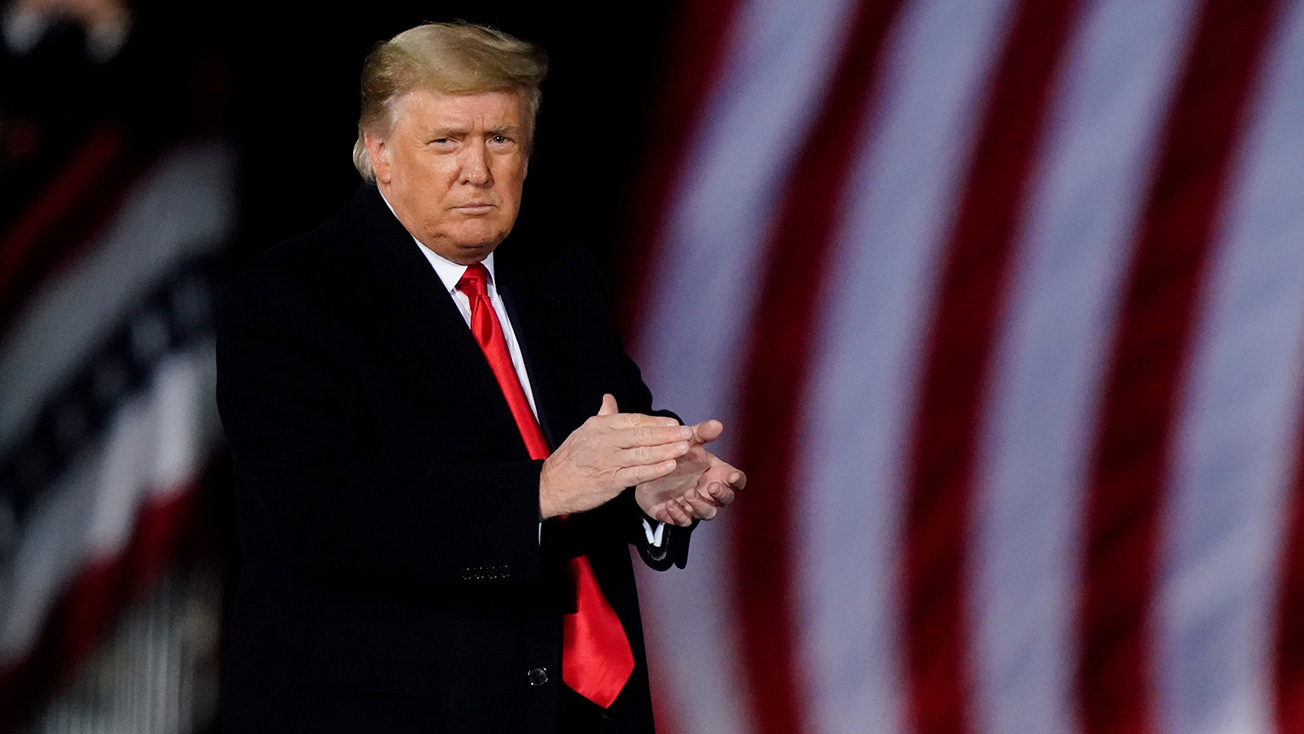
(427, 174)
(513, 179)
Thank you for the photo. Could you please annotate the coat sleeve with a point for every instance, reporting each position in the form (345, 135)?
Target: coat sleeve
(312, 488)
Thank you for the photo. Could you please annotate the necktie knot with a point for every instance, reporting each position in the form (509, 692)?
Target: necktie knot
(475, 281)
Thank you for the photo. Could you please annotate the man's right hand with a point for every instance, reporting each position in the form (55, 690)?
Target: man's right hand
(609, 452)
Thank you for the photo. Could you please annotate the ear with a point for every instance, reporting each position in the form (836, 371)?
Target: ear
(378, 151)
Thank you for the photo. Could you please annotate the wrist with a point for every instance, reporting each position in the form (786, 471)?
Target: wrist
(548, 505)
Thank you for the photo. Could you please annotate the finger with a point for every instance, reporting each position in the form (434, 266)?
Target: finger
(631, 475)
(651, 435)
(702, 493)
(689, 512)
(665, 514)
(609, 406)
(700, 508)
(651, 454)
(708, 431)
(679, 514)
(637, 420)
(737, 480)
(720, 494)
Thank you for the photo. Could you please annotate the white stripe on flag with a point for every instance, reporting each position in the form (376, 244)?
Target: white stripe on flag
(1073, 251)
(702, 289)
(183, 207)
(856, 416)
(1236, 444)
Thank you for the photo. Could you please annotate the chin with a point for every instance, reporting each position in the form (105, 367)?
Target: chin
(474, 253)
(484, 240)
(468, 253)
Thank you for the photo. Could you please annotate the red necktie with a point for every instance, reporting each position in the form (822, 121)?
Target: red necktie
(596, 657)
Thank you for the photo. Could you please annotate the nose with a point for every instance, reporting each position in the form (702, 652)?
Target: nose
(475, 165)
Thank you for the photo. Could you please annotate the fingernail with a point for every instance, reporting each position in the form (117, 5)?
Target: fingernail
(681, 446)
(685, 432)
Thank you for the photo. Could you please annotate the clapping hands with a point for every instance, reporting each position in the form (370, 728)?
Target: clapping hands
(676, 479)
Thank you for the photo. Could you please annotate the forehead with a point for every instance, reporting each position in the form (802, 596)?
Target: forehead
(482, 111)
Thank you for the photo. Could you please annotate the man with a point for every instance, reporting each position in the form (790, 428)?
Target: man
(436, 485)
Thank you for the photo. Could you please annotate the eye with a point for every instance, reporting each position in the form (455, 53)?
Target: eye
(500, 140)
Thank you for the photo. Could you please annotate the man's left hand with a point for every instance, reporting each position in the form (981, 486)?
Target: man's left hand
(699, 486)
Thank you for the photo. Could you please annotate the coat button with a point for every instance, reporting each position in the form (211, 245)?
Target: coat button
(538, 677)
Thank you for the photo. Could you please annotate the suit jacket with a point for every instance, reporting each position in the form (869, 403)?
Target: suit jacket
(394, 576)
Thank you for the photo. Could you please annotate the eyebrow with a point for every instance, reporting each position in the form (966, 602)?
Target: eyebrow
(446, 132)
(454, 132)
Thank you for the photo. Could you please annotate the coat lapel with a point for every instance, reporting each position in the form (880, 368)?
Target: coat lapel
(416, 299)
(539, 319)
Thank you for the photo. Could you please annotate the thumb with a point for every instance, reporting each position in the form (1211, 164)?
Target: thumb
(609, 406)
(708, 431)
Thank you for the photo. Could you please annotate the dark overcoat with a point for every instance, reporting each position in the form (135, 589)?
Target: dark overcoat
(395, 577)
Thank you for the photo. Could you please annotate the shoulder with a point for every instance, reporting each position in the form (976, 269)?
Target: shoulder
(332, 251)
(561, 267)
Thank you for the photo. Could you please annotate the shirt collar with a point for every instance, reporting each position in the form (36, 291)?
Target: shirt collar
(448, 271)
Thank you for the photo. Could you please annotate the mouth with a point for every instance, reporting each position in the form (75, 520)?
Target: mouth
(475, 208)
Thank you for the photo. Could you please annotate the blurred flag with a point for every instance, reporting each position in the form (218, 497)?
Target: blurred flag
(107, 420)
(1002, 304)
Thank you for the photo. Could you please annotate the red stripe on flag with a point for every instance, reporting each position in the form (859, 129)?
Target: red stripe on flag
(1289, 650)
(55, 225)
(971, 294)
(1131, 460)
(85, 612)
(783, 335)
(694, 56)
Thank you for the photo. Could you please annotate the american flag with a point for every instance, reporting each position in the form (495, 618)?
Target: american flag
(1002, 304)
(107, 418)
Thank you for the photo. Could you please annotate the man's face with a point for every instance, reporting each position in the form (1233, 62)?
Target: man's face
(452, 168)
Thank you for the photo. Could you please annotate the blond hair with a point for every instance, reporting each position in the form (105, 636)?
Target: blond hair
(449, 58)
